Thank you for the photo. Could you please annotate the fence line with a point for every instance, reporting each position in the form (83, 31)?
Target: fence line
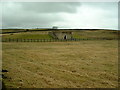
(53, 40)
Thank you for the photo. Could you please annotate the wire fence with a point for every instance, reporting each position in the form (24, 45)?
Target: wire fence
(53, 40)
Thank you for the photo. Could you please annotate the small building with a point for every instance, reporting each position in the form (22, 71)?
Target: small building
(54, 27)
(61, 34)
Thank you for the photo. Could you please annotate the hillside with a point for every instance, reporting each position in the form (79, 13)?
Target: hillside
(43, 34)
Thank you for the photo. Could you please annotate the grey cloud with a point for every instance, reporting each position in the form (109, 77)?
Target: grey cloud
(35, 13)
(105, 5)
(51, 7)
(32, 20)
(67, 14)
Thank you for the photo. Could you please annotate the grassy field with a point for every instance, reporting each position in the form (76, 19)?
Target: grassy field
(76, 34)
(96, 34)
(16, 30)
(12, 30)
(28, 35)
(84, 64)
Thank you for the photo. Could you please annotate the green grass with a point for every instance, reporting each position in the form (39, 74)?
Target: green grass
(38, 29)
(28, 36)
(95, 34)
(79, 36)
(76, 34)
(14, 30)
(83, 64)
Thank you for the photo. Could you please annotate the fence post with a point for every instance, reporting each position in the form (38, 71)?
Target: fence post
(20, 40)
(17, 39)
(9, 40)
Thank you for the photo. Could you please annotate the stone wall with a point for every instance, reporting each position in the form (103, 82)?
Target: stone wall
(61, 35)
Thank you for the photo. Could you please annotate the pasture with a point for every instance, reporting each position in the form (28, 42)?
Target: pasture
(78, 34)
(28, 35)
(83, 64)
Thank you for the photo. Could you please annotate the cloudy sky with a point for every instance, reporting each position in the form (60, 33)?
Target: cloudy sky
(62, 14)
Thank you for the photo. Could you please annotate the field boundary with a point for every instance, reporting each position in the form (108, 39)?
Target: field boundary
(53, 40)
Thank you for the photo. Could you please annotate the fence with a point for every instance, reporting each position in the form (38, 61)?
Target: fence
(53, 40)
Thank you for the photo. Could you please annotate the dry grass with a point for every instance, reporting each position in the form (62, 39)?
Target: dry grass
(85, 64)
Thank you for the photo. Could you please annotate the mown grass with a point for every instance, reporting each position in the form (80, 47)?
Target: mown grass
(84, 64)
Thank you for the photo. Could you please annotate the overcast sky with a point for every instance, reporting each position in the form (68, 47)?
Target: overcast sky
(62, 14)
